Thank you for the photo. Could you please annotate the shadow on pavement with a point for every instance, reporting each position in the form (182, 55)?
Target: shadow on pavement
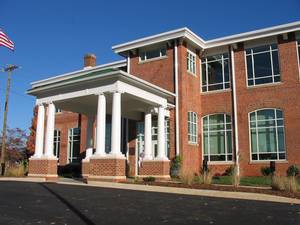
(85, 219)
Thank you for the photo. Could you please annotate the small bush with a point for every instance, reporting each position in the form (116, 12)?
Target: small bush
(206, 176)
(175, 166)
(292, 171)
(16, 171)
(235, 178)
(277, 183)
(187, 177)
(290, 184)
(229, 171)
(149, 179)
(266, 171)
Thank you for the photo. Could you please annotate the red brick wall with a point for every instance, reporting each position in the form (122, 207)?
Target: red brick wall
(159, 72)
(189, 100)
(284, 96)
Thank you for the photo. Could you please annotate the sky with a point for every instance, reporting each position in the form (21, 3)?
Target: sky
(51, 37)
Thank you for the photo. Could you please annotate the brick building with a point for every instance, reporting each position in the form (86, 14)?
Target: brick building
(231, 100)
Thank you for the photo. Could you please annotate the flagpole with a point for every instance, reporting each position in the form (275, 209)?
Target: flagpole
(9, 69)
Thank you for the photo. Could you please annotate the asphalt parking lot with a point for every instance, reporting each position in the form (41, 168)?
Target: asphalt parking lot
(47, 203)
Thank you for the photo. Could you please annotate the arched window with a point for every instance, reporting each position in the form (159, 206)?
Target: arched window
(217, 137)
(267, 134)
(192, 128)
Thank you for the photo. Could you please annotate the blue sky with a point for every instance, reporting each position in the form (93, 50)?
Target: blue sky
(51, 37)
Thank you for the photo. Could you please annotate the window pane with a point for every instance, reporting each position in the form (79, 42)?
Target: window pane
(265, 114)
(217, 143)
(275, 62)
(249, 67)
(205, 143)
(253, 141)
(267, 140)
(262, 65)
(229, 142)
(153, 54)
(281, 144)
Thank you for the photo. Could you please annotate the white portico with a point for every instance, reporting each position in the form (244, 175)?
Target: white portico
(97, 92)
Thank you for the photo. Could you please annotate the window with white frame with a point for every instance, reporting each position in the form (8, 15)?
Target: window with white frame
(152, 53)
(262, 65)
(74, 145)
(267, 134)
(215, 73)
(56, 142)
(192, 128)
(191, 62)
(57, 110)
(217, 137)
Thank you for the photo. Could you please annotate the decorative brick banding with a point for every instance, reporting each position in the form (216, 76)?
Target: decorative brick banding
(45, 168)
(107, 169)
(155, 168)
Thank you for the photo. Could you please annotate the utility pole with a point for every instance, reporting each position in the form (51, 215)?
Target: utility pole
(9, 69)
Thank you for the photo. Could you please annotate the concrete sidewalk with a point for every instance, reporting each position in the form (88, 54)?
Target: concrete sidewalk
(172, 190)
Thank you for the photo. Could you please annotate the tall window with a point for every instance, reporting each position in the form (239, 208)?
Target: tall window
(56, 147)
(215, 73)
(74, 145)
(267, 134)
(192, 128)
(191, 62)
(217, 138)
(153, 53)
(262, 65)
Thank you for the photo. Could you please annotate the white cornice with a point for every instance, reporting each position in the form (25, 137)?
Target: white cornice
(198, 41)
(112, 65)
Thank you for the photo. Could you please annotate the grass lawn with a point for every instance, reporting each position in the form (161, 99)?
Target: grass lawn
(245, 181)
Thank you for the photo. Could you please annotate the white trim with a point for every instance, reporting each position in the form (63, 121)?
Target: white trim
(176, 99)
(297, 48)
(191, 57)
(198, 41)
(235, 112)
(116, 64)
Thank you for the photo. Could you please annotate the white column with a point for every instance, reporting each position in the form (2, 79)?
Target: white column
(50, 131)
(161, 155)
(148, 136)
(116, 125)
(89, 137)
(100, 126)
(39, 135)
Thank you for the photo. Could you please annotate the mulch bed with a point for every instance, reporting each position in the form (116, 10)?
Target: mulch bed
(249, 189)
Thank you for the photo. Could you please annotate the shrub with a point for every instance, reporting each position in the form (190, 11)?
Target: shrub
(266, 171)
(277, 183)
(235, 178)
(149, 179)
(206, 176)
(292, 171)
(16, 171)
(229, 171)
(175, 166)
(290, 184)
(187, 177)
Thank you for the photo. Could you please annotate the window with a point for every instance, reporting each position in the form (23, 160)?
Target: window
(262, 65)
(192, 128)
(267, 135)
(191, 62)
(217, 137)
(152, 54)
(56, 141)
(74, 145)
(57, 110)
(215, 73)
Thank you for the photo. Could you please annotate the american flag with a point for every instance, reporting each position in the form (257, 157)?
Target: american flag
(4, 41)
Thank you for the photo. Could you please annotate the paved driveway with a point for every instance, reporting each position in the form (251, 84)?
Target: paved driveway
(40, 203)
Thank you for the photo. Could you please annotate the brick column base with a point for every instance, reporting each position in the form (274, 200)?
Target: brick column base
(85, 168)
(155, 168)
(107, 169)
(43, 168)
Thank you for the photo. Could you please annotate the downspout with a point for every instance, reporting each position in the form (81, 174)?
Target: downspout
(235, 118)
(176, 97)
